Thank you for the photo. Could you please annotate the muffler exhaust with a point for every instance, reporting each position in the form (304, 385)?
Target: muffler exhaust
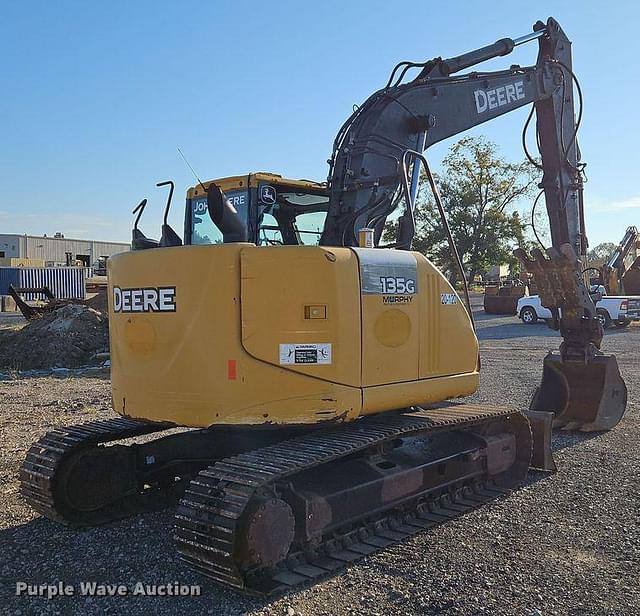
(225, 216)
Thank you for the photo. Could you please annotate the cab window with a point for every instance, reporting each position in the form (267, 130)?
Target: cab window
(203, 231)
(308, 227)
(294, 218)
(269, 231)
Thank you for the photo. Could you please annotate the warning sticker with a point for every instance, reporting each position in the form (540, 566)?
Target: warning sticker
(312, 353)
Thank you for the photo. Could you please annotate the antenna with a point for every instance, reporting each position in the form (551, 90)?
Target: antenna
(195, 175)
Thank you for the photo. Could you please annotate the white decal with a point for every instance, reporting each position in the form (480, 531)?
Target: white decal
(149, 299)
(200, 207)
(503, 95)
(268, 194)
(316, 353)
(236, 200)
(447, 299)
(387, 272)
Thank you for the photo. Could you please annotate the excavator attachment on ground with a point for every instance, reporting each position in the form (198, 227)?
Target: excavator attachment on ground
(31, 310)
(35, 310)
(503, 299)
(588, 396)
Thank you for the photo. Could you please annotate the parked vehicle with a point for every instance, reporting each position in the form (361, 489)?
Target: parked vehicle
(612, 310)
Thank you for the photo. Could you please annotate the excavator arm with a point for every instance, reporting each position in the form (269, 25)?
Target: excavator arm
(368, 164)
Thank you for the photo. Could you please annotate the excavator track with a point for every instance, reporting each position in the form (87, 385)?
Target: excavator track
(238, 523)
(45, 473)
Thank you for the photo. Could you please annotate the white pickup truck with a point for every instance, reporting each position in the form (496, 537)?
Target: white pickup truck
(611, 309)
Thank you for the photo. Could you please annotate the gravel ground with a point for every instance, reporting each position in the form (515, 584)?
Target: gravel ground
(564, 544)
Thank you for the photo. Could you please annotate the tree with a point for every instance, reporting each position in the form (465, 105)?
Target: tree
(601, 253)
(479, 192)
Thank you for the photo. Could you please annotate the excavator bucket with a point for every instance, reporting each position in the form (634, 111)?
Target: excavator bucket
(32, 311)
(502, 300)
(587, 396)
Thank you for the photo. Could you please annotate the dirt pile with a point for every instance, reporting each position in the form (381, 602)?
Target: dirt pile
(99, 302)
(67, 338)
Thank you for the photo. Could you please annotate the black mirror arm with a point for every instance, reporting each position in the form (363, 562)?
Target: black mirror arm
(139, 208)
(166, 209)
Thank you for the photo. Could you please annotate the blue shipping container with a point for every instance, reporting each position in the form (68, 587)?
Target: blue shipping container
(64, 282)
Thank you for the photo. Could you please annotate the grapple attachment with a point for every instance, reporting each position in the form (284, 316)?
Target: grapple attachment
(587, 396)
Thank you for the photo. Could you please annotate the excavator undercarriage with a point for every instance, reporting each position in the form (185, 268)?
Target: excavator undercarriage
(280, 516)
(270, 512)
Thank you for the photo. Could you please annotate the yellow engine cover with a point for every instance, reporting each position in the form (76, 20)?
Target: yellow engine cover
(236, 334)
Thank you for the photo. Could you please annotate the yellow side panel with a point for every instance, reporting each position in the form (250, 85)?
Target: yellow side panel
(215, 355)
(303, 295)
(415, 329)
(390, 342)
(426, 391)
(390, 316)
(448, 344)
(188, 365)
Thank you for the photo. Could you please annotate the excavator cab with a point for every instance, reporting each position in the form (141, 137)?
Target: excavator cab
(274, 210)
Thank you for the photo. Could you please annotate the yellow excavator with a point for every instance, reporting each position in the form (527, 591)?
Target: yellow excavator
(313, 365)
(620, 274)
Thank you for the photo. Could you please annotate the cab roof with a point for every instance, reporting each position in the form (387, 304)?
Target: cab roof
(251, 180)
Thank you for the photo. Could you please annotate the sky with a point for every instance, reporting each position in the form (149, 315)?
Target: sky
(97, 96)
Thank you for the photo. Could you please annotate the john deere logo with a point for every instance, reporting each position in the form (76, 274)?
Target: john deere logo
(149, 299)
(268, 194)
(498, 97)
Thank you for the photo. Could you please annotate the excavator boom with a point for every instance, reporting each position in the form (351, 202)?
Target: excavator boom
(368, 163)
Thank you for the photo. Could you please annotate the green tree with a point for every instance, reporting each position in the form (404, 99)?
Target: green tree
(479, 191)
(600, 254)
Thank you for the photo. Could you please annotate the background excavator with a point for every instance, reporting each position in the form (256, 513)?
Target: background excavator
(315, 377)
(620, 275)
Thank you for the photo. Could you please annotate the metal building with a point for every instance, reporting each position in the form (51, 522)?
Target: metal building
(57, 250)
